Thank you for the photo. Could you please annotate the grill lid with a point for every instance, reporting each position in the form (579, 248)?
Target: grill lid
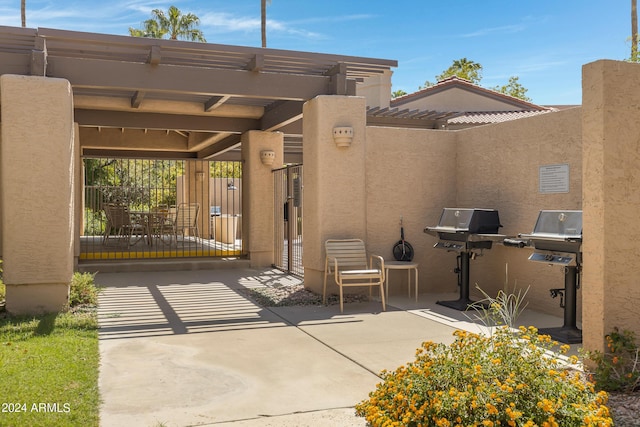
(557, 225)
(558, 234)
(466, 220)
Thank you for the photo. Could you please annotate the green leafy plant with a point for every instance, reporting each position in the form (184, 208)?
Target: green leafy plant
(618, 368)
(83, 290)
(3, 289)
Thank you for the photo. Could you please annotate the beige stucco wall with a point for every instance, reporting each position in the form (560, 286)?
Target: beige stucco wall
(416, 173)
(498, 168)
(334, 179)
(410, 174)
(38, 158)
(611, 99)
(376, 89)
(457, 99)
(257, 197)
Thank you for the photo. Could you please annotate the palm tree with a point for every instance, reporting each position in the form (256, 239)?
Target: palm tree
(151, 30)
(173, 23)
(263, 20)
(634, 31)
(23, 12)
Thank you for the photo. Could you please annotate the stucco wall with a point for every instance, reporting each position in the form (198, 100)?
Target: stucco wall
(416, 173)
(498, 168)
(257, 199)
(457, 99)
(611, 103)
(38, 158)
(410, 174)
(334, 180)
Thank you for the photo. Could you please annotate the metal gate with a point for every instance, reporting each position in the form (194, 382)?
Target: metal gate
(288, 219)
(151, 208)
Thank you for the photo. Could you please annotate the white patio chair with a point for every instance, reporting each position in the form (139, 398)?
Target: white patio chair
(346, 259)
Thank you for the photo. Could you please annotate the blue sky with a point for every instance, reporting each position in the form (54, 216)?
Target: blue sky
(543, 42)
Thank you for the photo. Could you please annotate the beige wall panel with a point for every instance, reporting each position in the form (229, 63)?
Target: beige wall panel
(38, 176)
(334, 179)
(376, 89)
(258, 209)
(498, 168)
(411, 174)
(611, 96)
(457, 99)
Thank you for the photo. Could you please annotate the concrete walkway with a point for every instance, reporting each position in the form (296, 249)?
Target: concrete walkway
(188, 348)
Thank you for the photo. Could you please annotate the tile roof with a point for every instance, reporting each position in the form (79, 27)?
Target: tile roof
(486, 117)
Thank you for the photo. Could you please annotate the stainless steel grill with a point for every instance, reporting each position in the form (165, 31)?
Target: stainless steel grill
(467, 232)
(557, 240)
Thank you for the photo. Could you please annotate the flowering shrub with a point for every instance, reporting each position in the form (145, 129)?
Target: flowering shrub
(617, 369)
(504, 379)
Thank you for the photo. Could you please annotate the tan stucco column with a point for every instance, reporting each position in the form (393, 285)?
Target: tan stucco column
(257, 194)
(611, 200)
(37, 192)
(334, 179)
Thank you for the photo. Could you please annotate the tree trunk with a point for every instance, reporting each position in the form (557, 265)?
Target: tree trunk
(263, 21)
(634, 30)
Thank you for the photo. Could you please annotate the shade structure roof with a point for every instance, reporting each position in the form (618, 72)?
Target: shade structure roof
(206, 95)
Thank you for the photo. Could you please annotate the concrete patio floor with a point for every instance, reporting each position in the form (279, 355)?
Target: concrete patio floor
(187, 348)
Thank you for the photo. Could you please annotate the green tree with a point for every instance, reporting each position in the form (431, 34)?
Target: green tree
(513, 88)
(176, 25)
(151, 30)
(398, 93)
(463, 68)
(472, 71)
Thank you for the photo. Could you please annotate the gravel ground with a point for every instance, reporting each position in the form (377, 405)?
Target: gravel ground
(625, 407)
(287, 295)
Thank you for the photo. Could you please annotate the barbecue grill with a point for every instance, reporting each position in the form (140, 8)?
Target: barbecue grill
(467, 232)
(557, 240)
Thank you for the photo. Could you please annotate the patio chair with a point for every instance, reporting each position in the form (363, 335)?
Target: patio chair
(346, 259)
(183, 221)
(120, 225)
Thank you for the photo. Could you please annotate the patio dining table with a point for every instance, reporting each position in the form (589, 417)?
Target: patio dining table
(151, 220)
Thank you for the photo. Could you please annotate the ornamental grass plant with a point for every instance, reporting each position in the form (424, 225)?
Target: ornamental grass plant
(509, 377)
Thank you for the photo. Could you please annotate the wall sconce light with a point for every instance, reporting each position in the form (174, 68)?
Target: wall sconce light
(267, 157)
(231, 186)
(343, 136)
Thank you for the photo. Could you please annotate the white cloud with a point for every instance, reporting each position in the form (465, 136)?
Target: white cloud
(226, 23)
(505, 29)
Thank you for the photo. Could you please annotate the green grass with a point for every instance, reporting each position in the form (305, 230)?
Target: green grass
(49, 370)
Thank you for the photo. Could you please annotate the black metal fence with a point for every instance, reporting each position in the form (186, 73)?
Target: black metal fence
(145, 208)
(288, 187)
